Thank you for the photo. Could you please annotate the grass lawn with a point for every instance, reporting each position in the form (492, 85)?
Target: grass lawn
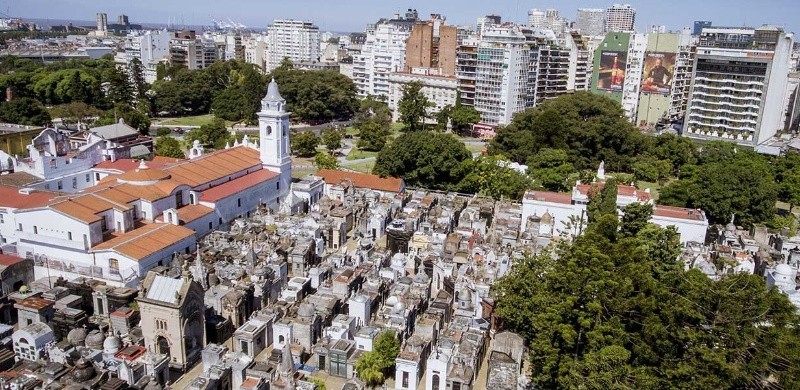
(197, 120)
(356, 154)
(654, 188)
(365, 167)
(351, 131)
(298, 173)
(475, 148)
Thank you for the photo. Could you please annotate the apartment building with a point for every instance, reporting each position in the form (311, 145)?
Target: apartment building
(590, 21)
(296, 40)
(739, 84)
(620, 17)
(383, 52)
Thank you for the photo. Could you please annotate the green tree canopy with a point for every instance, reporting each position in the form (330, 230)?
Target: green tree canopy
(551, 169)
(591, 127)
(621, 312)
(167, 146)
(602, 200)
(304, 143)
(332, 139)
(24, 111)
(375, 366)
(413, 107)
(325, 161)
(491, 176)
(214, 134)
(423, 158)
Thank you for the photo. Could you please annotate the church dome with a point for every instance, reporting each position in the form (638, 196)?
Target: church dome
(77, 337)
(273, 94)
(95, 340)
(143, 175)
(306, 311)
(84, 370)
(111, 345)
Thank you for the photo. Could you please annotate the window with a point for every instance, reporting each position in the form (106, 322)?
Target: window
(239, 202)
(1, 218)
(113, 265)
(405, 379)
(210, 225)
(179, 199)
(97, 176)
(69, 236)
(60, 186)
(244, 347)
(104, 224)
(88, 177)
(435, 382)
(35, 230)
(74, 182)
(278, 185)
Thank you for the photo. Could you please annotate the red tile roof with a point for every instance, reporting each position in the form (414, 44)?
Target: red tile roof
(234, 186)
(362, 180)
(8, 260)
(190, 213)
(547, 196)
(146, 240)
(679, 213)
(215, 166)
(10, 197)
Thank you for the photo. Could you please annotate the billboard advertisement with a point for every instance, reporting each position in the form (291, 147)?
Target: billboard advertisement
(659, 69)
(611, 75)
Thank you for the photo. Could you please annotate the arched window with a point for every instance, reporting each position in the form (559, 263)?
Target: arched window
(269, 129)
(435, 382)
(281, 339)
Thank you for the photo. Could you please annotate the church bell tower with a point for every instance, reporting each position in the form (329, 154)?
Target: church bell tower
(273, 128)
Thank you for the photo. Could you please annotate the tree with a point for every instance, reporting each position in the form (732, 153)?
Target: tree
(77, 112)
(550, 169)
(374, 366)
(491, 176)
(138, 81)
(319, 382)
(162, 131)
(623, 313)
(325, 161)
(635, 217)
(740, 183)
(120, 88)
(24, 111)
(424, 159)
(214, 134)
(304, 143)
(332, 139)
(602, 200)
(590, 127)
(372, 111)
(130, 115)
(652, 170)
(317, 96)
(413, 107)
(169, 147)
(462, 117)
(373, 136)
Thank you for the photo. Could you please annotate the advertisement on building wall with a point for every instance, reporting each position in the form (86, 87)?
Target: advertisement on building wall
(659, 70)
(611, 76)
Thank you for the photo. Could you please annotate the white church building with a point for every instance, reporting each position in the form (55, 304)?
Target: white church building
(556, 213)
(136, 216)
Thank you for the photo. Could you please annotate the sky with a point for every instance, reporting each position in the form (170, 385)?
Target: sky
(353, 15)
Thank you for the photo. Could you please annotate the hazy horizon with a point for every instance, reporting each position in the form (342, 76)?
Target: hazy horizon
(354, 15)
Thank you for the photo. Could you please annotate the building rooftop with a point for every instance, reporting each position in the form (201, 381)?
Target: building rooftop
(225, 190)
(362, 180)
(11, 197)
(18, 179)
(165, 289)
(679, 213)
(34, 303)
(125, 165)
(214, 166)
(146, 240)
(117, 130)
(547, 196)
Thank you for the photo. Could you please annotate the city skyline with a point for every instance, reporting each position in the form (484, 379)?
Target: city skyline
(341, 16)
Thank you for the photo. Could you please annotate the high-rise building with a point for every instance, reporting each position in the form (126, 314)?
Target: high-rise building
(580, 62)
(536, 18)
(432, 44)
(149, 47)
(485, 22)
(502, 71)
(383, 52)
(590, 21)
(666, 78)
(620, 17)
(102, 25)
(699, 25)
(122, 19)
(739, 84)
(296, 40)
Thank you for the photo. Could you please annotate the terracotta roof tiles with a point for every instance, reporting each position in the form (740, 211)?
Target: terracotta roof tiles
(215, 166)
(234, 186)
(678, 213)
(547, 196)
(362, 180)
(11, 197)
(146, 240)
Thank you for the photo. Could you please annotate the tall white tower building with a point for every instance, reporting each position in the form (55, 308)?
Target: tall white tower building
(273, 128)
(620, 17)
